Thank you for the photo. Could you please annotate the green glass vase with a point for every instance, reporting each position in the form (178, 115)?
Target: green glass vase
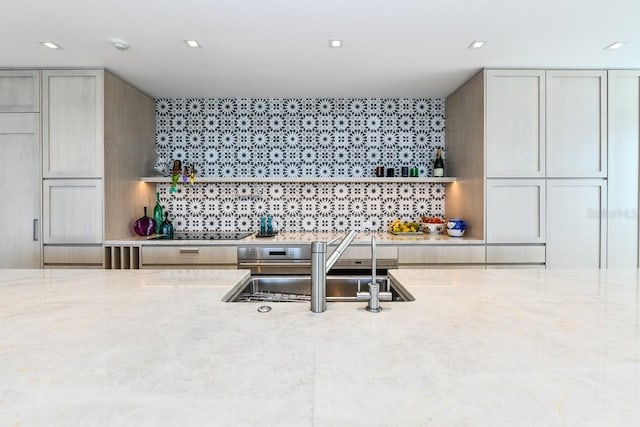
(158, 214)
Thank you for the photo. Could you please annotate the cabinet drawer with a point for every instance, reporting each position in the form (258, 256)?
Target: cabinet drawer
(72, 255)
(467, 254)
(364, 252)
(509, 254)
(178, 255)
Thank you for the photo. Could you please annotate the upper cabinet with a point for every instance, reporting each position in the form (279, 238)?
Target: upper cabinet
(20, 91)
(554, 118)
(73, 123)
(515, 123)
(576, 124)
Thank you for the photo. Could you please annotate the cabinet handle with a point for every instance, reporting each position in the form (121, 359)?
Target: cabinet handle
(189, 251)
(35, 229)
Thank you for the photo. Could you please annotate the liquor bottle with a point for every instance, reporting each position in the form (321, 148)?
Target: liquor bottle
(157, 214)
(438, 165)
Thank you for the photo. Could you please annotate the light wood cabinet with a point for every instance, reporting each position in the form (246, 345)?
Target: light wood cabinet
(550, 125)
(73, 256)
(434, 255)
(576, 223)
(19, 91)
(623, 169)
(73, 123)
(576, 124)
(73, 211)
(516, 255)
(515, 123)
(98, 139)
(189, 256)
(515, 211)
(20, 246)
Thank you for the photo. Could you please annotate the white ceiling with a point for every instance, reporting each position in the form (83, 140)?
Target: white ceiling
(279, 48)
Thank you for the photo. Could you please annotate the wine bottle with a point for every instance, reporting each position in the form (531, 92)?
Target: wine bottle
(157, 214)
(438, 164)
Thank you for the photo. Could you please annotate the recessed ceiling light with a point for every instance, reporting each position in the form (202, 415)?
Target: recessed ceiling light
(51, 45)
(120, 44)
(477, 44)
(614, 46)
(192, 43)
(335, 43)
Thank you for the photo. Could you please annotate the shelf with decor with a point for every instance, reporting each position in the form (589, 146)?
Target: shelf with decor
(262, 180)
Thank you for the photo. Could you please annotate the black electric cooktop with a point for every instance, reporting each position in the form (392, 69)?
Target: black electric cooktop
(212, 235)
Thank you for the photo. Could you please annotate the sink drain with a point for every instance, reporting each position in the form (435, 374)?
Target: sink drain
(264, 309)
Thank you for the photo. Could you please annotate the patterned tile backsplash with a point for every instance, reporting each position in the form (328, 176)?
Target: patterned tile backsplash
(299, 207)
(298, 138)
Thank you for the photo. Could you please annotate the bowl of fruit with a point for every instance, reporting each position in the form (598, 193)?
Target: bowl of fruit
(404, 227)
(432, 224)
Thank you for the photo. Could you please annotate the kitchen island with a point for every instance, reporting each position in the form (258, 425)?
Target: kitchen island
(477, 347)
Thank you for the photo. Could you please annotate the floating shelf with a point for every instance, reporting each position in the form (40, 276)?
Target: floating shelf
(269, 180)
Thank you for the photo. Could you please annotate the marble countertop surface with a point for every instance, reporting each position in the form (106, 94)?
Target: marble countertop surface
(477, 347)
(382, 238)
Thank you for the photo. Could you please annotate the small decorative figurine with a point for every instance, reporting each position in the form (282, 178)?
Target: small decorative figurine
(192, 175)
(185, 174)
(175, 174)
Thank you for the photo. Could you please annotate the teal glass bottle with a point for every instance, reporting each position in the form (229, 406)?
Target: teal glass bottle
(167, 228)
(158, 214)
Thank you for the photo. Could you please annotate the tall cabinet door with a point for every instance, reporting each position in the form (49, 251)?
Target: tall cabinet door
(515, 123)
(576, 124)
(20, 246)
(624, 155)
(576, 223)
(73, 123)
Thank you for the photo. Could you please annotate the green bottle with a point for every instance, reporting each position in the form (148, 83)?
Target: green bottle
(158, 215)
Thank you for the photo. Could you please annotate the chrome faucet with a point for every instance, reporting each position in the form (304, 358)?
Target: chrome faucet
(374, 296)
(320, 266)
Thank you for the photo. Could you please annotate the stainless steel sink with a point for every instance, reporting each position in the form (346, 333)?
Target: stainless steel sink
(298, 288)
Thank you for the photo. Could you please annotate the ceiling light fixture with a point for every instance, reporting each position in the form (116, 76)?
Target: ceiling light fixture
(120, 44)
(477, 44)
(51, 45)
(192, 43)
(335, 43)
(614, 46)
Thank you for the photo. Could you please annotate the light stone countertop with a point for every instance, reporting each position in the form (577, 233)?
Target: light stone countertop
(293, 238)
(476, 348)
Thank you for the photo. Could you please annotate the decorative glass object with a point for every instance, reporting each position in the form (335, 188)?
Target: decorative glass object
(166, 228)
(144, 226)
(158, 214)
